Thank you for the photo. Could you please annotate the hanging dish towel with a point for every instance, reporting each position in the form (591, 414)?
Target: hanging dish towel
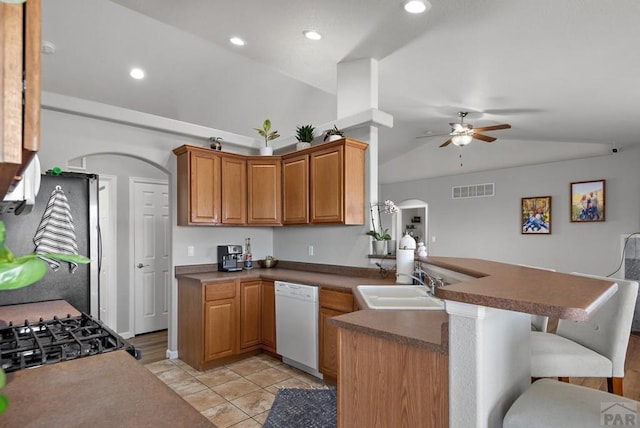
(56, 233)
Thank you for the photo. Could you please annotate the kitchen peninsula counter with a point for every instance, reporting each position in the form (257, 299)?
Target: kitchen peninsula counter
(524, 289)
(104, 390)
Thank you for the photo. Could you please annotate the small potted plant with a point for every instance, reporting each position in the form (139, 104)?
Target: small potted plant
(333, 134)
(304, 135)
(268, 135)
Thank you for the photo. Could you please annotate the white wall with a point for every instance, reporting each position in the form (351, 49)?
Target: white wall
(489, 227)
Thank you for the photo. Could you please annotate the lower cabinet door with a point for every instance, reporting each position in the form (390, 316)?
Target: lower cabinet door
(328, 342)
(268, 316)
(220, 329)
(250, 315)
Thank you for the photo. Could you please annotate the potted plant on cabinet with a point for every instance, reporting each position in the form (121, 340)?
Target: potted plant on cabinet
(268, 135)
(333, 134)
(304, 135)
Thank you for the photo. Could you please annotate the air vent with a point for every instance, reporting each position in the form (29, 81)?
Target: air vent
(473, 191)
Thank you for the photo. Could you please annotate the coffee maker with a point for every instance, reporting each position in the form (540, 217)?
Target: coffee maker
(228, 258)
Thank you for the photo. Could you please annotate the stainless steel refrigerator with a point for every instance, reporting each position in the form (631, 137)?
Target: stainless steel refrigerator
(80, 288)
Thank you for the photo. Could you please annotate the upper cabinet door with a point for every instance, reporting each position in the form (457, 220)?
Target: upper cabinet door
(338, 182)
(234, 189)
(264, 193)
(327, 185)
(20, 42)
(198, 186)
(295, 192)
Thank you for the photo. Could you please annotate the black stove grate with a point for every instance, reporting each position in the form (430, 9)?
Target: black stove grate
(60, 339)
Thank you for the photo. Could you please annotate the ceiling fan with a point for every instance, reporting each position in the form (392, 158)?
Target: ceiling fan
(463, 133)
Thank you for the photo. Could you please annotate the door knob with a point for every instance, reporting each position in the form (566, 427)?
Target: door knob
(140, 265)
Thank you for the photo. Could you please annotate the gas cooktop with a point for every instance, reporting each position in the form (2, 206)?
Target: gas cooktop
(34, 344)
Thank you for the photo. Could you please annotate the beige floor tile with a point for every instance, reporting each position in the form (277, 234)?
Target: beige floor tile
(225, 415)
(188, 386)
(292, 382)
(268, 359)
(160, 366)
(187, 368)
(311, 380)
(218, 377)
(174, 375)
(247, 423)
(262, 417)
(204, 399)
(268, 377)
(290, 370)
(255, 403)
(248, 366)
(236, 388)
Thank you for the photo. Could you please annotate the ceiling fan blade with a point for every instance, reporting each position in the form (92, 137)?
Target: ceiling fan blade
(492, 128)
(484, 138)
(446, 143)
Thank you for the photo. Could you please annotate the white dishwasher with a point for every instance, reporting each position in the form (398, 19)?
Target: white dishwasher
(297, 325)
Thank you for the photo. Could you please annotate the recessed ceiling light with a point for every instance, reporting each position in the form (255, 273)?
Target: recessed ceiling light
(137, 73)
(417, 6)
(237, 41)
(312, 35)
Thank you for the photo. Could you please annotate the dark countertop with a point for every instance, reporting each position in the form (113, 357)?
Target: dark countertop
(524, 289)
(422, 329)
(105, 390)
(339, 281)
(32, 312)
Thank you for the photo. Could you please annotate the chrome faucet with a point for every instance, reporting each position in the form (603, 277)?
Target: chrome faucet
(431, 286)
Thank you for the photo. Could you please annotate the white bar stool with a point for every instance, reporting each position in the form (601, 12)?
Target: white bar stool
(549, 403)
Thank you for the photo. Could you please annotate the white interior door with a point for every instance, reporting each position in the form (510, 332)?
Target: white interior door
(151, 258)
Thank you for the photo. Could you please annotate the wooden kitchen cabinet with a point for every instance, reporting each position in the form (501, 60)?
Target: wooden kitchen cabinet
(295, 189)
(264, 190)
(257, 315)
(337, 182)
(211, 187)
(198, 190)
(208, 321)
(250, 314)
(20, 94)
(332, 304)
(268, 316)
(234, 189)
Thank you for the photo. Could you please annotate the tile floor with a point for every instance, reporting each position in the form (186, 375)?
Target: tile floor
(236, 395)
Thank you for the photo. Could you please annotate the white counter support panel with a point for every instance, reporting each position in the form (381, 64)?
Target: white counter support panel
(489, 363)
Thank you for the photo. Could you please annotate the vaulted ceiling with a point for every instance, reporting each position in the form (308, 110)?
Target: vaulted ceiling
(563, 74)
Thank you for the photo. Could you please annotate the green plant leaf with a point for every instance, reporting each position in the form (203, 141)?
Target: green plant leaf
(266, 125)
(23, 271)
(73, 258)
(4, 403)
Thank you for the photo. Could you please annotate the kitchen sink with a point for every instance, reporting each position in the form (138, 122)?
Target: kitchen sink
(399, 297)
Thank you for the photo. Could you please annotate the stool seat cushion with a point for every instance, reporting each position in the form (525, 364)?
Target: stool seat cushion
(555, 356)
(548, 403)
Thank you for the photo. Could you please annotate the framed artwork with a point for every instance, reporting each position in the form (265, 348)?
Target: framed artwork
(587, 201)
(535, 215)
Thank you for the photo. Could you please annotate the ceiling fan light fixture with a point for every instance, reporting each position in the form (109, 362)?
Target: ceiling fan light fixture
(417, 6)
(461, 140)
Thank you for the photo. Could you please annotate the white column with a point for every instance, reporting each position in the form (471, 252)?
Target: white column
(489, 363)
(357, 91)
(357, 86)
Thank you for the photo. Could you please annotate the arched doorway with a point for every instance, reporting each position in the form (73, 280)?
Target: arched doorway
(125, 232)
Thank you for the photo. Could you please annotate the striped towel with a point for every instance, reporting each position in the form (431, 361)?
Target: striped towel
(56, 233)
